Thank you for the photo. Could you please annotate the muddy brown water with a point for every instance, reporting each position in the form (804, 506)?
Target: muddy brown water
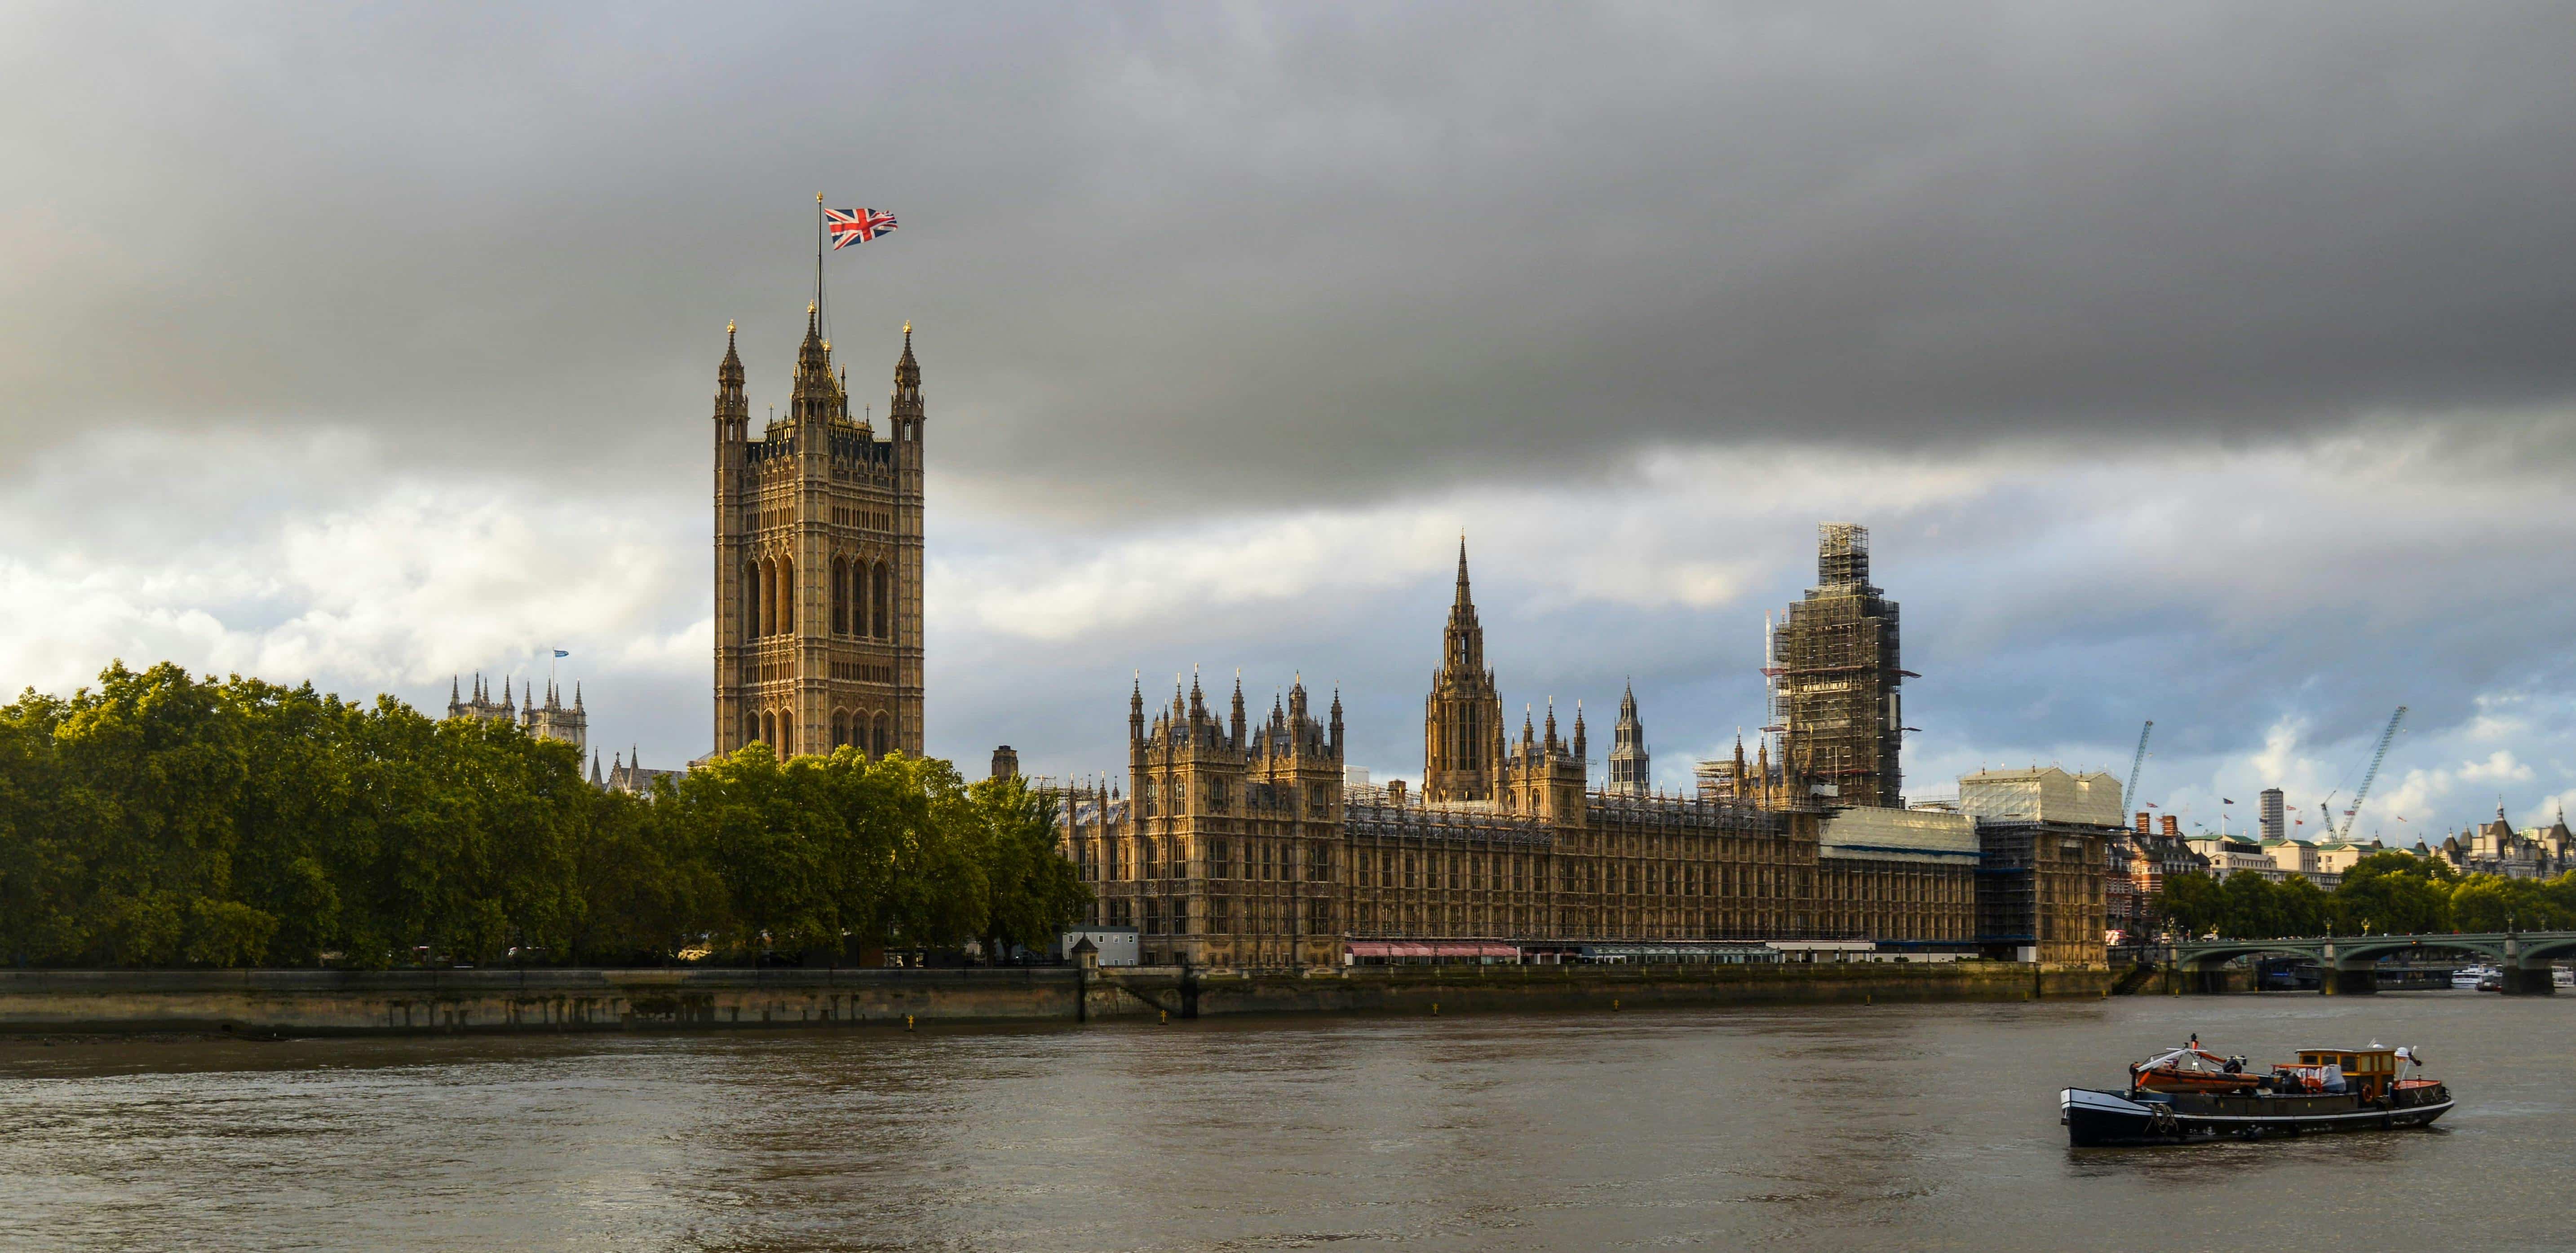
(1844, 1127)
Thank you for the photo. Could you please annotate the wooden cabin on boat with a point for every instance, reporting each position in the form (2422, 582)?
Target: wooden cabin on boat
(2370, 1072)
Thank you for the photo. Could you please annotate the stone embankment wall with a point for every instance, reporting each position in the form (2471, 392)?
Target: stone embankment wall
(336, 1002)
(299, 1002)
(1467, 989)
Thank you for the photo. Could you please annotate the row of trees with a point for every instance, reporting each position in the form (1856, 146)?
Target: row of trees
(160, 820)
(2386, 893)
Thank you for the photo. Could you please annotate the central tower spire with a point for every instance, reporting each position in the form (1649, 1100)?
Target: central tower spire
(1631, 769)
(1464, 715)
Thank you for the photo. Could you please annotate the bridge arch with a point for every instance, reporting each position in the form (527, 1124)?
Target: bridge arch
(2355, 953)
(2547, 947)
(2211, 954)
(2352, 952)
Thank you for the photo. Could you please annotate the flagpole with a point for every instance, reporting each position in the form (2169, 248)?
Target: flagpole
(824, 318)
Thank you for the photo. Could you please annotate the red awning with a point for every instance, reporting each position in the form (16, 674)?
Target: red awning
(1432, 948)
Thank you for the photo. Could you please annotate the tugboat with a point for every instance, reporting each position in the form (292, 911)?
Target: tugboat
(2190, 1094)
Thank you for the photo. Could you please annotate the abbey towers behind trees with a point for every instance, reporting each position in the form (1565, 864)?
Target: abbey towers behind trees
(818, 562)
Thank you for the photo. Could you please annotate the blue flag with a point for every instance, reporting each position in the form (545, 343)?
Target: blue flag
(561, 653)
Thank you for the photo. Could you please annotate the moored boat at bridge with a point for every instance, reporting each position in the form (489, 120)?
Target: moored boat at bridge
(2179, 1097)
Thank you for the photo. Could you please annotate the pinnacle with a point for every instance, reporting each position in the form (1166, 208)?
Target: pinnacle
(907, 370)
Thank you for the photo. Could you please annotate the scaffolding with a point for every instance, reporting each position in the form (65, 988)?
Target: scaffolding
(1835, 676)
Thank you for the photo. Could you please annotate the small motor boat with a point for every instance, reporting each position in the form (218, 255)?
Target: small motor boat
(2373, 1088)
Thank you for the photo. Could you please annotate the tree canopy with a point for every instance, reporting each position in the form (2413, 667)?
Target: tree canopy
(163, 820)
(2392, 892)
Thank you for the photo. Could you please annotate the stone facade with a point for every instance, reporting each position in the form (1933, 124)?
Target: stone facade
(2496, 848)
(1836, 677)
(2040, 891)
(553, 720)
(1238, 843)
(627, 773)
(818, 562)
(1632, 769)
(1462, 720)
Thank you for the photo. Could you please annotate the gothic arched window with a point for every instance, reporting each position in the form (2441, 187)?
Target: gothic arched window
(750, 608)
(859, 597)
(769, 730)
(877, 596)
(750, 727)
(774, 619)
(840, 596)
(786, 594)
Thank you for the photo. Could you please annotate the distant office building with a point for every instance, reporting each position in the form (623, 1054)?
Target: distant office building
(2274, 820)
(1006, 763)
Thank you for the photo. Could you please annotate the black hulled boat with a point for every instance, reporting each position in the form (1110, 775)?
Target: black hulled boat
(2365, 1089)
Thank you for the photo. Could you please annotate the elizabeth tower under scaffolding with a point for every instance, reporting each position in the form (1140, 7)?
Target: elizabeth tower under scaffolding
(1835, 676)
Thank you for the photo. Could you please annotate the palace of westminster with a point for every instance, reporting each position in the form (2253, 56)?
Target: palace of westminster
(1245, 841)
(1242, 841)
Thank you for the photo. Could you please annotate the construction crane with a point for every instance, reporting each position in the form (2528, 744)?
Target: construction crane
(2137, 763)
(2376, 757)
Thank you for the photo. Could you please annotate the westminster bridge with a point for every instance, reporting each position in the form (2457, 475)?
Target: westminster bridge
(2347, 965)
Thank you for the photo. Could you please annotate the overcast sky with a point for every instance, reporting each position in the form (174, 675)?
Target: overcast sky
(2209, 364)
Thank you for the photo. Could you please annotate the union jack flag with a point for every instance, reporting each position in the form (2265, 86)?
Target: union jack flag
(857, 226)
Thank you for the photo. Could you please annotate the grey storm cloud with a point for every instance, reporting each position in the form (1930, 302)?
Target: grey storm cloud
(1160, 256)
(2193, 362)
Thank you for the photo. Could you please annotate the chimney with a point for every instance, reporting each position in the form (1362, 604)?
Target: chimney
(2173, 827)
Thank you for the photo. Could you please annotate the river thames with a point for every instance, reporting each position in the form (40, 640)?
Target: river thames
(1888, 1127)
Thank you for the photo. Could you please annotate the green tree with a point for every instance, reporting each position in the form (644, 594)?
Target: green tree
(1035, 893)
(160, 819)
(2485, 902)
(780, 850)
(2394, 892)
(2196, 903)
(2254, 907)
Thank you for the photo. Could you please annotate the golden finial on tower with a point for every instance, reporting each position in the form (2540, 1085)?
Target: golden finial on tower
(907, 326)
(809, 306)
(728, 326)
